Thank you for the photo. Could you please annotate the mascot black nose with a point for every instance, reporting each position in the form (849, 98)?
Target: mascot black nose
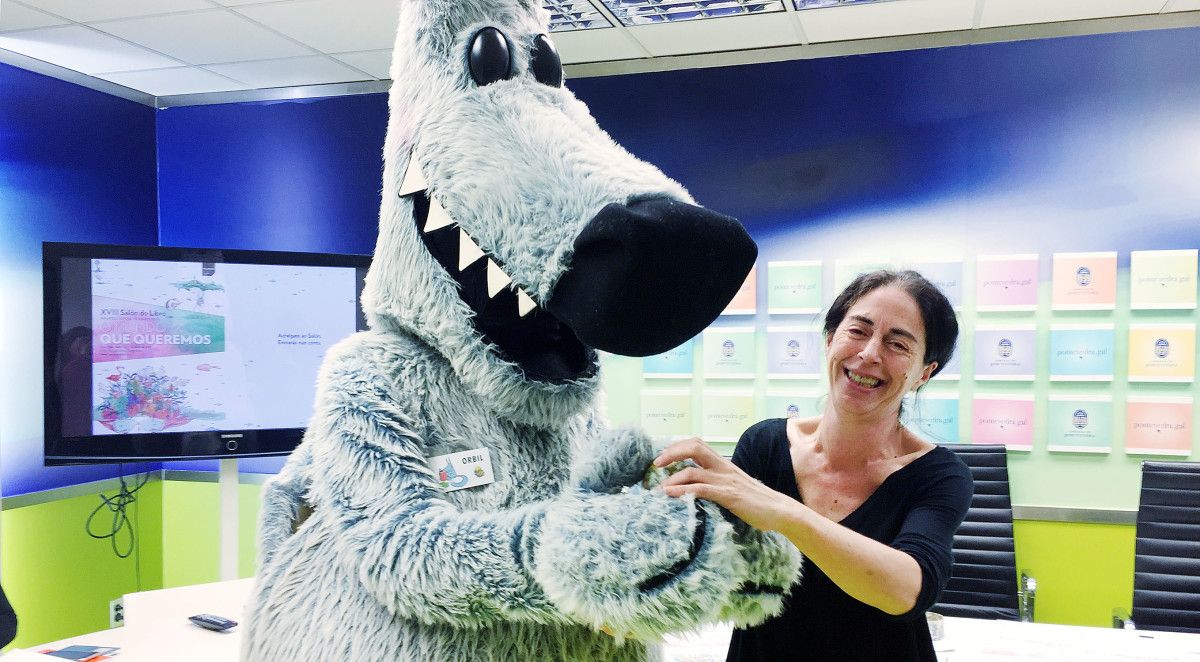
(646, 276)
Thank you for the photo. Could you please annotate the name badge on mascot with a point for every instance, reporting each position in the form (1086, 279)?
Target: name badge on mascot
(458, 471)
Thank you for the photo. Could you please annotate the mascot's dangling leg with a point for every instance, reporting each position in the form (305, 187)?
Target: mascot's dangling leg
(457, 495)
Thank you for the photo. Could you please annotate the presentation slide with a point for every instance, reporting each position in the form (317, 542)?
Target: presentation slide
(179, 346)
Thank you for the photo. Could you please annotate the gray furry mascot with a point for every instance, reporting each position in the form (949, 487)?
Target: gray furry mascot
(457, 495)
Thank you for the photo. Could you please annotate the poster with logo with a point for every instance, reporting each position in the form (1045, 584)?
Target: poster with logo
(1158, 425)
(193, 346)
(934, 416)
(1006, 282)
(1162, 352)
(729, 353)
(1005, 353)
(672, 364)
(788, 404)
(794, 287)
(744, 302)
(1079, 423)
(845, 271)
(1003, 419)
(1162, 280)
(794, 353)
(952, 371)
(946, 275)
(1085, 281)
(1081, 352)
(727, 414)
(667, 413)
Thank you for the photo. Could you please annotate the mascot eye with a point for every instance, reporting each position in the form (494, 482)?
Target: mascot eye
(489, 58)
(547, 67)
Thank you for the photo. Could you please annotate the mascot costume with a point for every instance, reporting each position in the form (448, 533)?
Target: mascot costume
(457, 495)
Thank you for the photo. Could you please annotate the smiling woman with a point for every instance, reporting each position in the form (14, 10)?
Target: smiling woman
(872, 506)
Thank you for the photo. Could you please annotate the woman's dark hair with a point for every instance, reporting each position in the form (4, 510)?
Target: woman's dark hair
(941, 326)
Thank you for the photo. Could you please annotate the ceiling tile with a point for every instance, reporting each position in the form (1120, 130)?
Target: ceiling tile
(596, 46)
(1182, 5)
(332, 26)
(209, 37)
(20, 17)
(82, 49)
(376, 63)
(314, 70)
(176, 80)
(1024, 12)
(86, 11)
(717, 34)
(886, 19)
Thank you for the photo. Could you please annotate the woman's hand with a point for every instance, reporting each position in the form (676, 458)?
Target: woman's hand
(718, 480)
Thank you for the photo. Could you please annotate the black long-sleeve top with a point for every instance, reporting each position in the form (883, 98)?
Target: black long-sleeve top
(915, 510)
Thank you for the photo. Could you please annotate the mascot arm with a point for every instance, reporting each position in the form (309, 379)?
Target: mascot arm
(417, 553)
(619, 461)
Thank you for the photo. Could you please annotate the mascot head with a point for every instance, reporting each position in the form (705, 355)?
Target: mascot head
(516, 238)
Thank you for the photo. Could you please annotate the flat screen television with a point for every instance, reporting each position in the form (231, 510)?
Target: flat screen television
(158, 353)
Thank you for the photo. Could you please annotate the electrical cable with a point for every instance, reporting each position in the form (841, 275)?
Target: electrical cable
(117, 504)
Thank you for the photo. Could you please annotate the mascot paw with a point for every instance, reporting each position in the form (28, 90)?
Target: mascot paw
(639, 562)
(773, 567)
(619, 461)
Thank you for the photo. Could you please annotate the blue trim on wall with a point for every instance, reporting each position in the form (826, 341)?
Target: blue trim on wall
(75, 165)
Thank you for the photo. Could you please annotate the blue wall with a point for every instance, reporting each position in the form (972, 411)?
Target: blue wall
(287, 175)
(1085, 143)
(75, 165)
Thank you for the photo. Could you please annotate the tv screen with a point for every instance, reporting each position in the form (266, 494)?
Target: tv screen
(180, 353)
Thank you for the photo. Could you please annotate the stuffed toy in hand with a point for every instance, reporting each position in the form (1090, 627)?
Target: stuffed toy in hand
(457, 495)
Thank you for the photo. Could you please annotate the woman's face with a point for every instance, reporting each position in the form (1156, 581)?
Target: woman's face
(876, 354)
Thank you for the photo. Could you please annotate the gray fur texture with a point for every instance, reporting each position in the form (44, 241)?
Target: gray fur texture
(363, 556)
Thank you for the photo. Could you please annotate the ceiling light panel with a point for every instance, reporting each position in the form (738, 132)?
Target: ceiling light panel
(644, 12)
(570, 15)
(817, 4)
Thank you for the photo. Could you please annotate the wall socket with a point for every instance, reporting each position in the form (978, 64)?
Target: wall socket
(116, 612)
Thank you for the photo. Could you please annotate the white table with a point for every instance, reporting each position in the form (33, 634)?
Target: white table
(157, 629)
(156, 626)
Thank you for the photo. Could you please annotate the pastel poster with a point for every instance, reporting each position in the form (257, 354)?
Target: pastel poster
(1158, 426)
(744, 302)
(934, 417)
(1082, 352)
(793, 405)
(952, 370)
(946, 275)
(1162, 352)
(674, 363)
(794, 287)
(794, 352)
(667, 413)
(726, 414)
(1005, 353)
(1085, 281)
(1003, 419)
(729, 353)
(1079, 423)
(845, 271)
(1164, 280)
(1006, 282)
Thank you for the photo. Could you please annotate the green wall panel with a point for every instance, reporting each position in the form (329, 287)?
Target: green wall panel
(1083, 571)
(59, 579)
(191, 532)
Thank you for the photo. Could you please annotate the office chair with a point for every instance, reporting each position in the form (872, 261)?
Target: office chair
(1166, 565)
(983, 583)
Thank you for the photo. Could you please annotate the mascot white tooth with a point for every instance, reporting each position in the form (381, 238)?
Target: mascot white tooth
(457, 495)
